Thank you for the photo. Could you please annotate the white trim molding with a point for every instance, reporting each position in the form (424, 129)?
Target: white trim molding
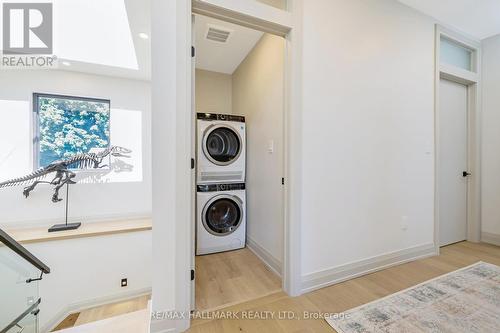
(325, 278)
(459, 75)
(472, 79)
(163, 326)
(269, 260)
(262, 17)
(292, 269)
(251, 14)
(490, 238)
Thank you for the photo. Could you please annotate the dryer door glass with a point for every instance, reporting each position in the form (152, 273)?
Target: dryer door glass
(222, 217)
(222, 146)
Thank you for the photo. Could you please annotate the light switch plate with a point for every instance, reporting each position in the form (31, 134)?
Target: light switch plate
(270, 147)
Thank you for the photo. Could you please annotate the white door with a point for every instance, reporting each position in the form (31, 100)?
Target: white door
(452, 162)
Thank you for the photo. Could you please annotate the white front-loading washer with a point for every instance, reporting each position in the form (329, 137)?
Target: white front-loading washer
(221, 148)
(221, 218)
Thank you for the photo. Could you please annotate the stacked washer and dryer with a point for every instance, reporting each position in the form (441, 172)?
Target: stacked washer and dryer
(221, 206)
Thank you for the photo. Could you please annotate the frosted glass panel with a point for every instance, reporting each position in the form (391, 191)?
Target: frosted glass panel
(455, 54)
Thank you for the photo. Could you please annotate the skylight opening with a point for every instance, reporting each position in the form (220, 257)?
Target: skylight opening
(94, 31)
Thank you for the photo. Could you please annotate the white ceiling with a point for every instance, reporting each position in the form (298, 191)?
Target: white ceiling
(110, 43)
(477, 18)
(102, 37)
(99, 51)
(223, 57)
(108, 46)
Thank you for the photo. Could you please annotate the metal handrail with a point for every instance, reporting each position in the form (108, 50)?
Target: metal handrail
(23, 252)
(15, 322)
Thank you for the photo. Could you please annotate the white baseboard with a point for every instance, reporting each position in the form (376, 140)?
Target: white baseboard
(490, 238)
(163, 326)
(80, 306)
(269, 260)
(342, 273)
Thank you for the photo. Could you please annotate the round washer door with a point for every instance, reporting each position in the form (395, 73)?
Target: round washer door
(221, 144)
(222, 215)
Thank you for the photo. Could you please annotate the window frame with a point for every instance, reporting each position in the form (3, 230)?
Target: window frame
(36, 121)
(459, 45)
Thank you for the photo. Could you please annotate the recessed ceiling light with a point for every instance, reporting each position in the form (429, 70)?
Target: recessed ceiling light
(143, 35)
(66, 63)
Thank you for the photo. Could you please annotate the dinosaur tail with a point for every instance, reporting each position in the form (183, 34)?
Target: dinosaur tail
(24, 180)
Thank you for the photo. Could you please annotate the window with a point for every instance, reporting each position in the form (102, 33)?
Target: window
(68, 125)
(455, 54)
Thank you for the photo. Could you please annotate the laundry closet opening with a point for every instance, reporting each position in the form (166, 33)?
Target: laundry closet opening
(238, 108)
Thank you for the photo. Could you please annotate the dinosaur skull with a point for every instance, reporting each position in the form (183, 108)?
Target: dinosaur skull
(118, 151)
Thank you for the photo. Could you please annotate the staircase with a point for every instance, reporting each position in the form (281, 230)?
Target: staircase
(134, 322)
(20, 274)
(20, 304)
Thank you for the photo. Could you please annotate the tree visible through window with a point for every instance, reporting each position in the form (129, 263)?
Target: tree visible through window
(70, 125)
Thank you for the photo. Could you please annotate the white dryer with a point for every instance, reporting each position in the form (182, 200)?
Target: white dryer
(221, 218)
(221, 148)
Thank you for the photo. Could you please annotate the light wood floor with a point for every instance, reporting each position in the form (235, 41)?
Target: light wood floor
(349, 294)
(104, 312)
(334, 299)
(133, 322)
(229, 278)
(222, 280)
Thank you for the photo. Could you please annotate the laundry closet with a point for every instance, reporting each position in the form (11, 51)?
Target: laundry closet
(239, 149)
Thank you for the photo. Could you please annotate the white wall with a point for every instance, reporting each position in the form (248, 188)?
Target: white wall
(99, 196)
(368, 124)
(258, 95)
(170, 19)
(281, 4)
(490, 159)
(88, 271)
(213, 92)
(85, 270)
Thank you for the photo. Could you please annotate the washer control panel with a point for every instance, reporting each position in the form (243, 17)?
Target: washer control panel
(220, 187)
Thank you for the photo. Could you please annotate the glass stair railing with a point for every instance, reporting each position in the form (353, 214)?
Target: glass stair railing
(20, 274)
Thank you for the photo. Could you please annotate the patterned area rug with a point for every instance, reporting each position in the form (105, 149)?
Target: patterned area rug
(466, 300)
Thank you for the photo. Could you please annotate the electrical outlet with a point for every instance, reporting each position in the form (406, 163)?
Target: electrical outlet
(404, 223)
(124, 282)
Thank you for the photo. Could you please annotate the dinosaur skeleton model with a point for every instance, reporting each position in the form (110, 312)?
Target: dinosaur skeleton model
(63, 174)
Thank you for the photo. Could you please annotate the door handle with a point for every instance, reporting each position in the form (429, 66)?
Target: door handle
(466, 174)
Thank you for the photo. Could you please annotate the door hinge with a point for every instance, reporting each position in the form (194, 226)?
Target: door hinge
(192, 275)
(282, 181)
(193, 52)
(192, 163)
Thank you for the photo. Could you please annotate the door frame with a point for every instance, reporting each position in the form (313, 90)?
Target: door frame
(287, 23)
(472, 80)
